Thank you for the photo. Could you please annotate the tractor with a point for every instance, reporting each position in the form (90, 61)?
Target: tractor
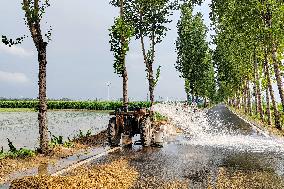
(130, 123)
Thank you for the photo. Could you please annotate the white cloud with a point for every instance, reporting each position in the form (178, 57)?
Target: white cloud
(14, 50)
(7, 77)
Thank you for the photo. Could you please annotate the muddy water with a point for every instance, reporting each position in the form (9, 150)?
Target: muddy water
(217, 150)
(22, 127)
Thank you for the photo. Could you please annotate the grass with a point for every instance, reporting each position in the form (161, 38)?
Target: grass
(21, 153)
(257, 121)
(159, 117)
(16, 153)
(54, 142)
(58, 140)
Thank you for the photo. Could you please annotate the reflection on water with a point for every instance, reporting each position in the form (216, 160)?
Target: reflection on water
(22, 128)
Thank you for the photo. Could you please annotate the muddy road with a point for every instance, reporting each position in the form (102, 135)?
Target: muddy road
(216, 150)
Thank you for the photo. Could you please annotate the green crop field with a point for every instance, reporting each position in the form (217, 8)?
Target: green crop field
(79, 105)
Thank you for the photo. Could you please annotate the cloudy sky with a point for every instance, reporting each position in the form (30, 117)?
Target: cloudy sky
(79, 60)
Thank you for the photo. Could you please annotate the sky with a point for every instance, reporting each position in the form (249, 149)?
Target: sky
(79, 57)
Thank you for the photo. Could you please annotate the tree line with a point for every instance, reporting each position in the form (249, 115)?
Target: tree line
(249, 49)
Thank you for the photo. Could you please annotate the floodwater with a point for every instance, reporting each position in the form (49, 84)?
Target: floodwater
(217, 150)
(22, 127)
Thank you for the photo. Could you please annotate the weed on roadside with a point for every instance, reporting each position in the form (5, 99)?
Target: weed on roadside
(15, 153)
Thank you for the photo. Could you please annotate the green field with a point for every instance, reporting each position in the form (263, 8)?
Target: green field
(31, 105)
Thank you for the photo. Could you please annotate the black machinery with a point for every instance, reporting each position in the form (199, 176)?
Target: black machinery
(130, 123)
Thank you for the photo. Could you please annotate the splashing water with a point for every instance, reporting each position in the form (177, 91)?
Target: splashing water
(204, 130)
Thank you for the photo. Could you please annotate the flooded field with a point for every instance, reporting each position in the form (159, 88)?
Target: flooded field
(22, 127)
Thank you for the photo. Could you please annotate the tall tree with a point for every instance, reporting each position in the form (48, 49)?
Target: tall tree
(34, 11)
(120, 34)
(150, 19)
(194, 60)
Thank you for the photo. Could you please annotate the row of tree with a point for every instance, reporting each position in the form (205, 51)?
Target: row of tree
(146, 21)
(249, 49)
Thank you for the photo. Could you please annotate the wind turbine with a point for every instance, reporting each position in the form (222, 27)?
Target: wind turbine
(108, 84)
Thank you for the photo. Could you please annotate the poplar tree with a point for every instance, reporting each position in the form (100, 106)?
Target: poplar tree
(150, 19)
(194, 60)
(120, 36)
(34, 11)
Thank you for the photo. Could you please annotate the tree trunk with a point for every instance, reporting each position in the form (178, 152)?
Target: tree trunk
(268, 112)
(238, 102)
(278, 74)
(245, 97)
(42, 115)
(238, 99)
(124, 74)
(255, 99)
(269, 83)
(259, 100)
(151, 82)
(125, 87)
(255, 83)
(187, 90)
(258, 90)
(35, 30)
(150, 69)
(249, 99)
(149, 64)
